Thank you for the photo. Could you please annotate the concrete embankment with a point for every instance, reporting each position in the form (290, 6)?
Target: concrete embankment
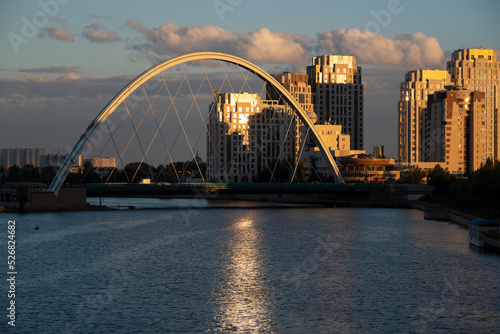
(436, 212)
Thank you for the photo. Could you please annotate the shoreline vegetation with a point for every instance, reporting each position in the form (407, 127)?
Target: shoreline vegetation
(477, 195)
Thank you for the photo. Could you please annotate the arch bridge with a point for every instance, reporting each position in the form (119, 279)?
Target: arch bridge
(137, 83)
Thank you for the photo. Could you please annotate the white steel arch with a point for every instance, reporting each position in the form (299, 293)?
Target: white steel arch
(148, 74)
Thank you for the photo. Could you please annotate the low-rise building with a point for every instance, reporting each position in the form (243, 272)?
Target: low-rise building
(366, 168)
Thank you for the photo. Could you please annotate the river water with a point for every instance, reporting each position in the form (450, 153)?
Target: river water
(229, 270)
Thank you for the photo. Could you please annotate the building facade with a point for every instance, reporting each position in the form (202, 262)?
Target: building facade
(479, 70)
(97, 162)
(366, 168)
(469, 70)
(414, 93)
(455, 130)
(297, 85)
(339, 145)
(337, 94)
(53, 159)
(247, 135)
(21, 157)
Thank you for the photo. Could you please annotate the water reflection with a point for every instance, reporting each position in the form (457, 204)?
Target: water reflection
(243, 297)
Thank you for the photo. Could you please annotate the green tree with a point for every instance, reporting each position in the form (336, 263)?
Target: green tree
(439, 178)
(30, 173)
(48, 174)
(300, 174)
(89, 175)
(415, 175)
(13, 174)
(489, 168)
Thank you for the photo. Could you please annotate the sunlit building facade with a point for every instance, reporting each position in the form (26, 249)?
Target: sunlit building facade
(414, 93)
(337, 94)
(314, 161)
(455, 130)
(97, 162)
(297, 85)
(247, 135)
(479, 70)
(21, 157)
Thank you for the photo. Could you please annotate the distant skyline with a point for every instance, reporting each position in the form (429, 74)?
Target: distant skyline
(61, 61)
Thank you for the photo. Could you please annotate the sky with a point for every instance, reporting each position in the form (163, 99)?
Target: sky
(62, 61)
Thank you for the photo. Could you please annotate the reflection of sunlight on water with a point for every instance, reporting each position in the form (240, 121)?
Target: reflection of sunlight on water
(244, 297)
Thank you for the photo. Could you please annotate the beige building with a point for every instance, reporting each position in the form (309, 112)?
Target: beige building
(312, 157)
(454, 126)
(413, 99)
(97, 162)
(470, 69)
(479, 70)
(297, 85)
(247, 135)
(337, 94)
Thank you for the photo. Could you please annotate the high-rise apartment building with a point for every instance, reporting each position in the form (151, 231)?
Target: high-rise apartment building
(479, 70)
(454, 127)
(337, 94)
(474, 70)
(297, 85)
(21, 156)
(56, 159)
(413, 100)
(247, 135)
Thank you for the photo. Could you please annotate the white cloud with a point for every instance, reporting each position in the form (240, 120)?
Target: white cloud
(58, 33)
(260, 45)
(95, 34)
(368, 47)
(264, 46)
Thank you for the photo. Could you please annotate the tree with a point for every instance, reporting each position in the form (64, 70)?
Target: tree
(300, 174)
(415, 175)
(13, 174)
(48, 174)
(30, 173)
(488, 169)
(439, 178)
(89, 174)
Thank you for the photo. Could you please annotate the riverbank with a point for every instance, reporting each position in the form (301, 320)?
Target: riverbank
(437, 212)
(214, 204)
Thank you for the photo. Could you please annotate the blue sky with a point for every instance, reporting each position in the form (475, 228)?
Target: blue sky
(112, 40)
